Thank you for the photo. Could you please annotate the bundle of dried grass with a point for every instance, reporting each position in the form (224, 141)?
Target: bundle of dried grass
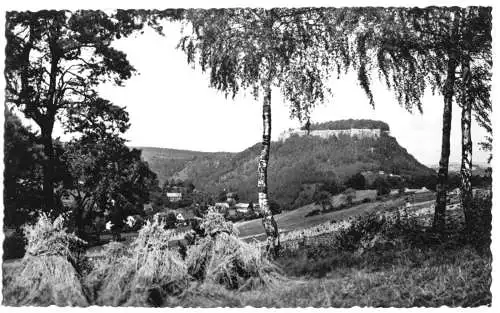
(223, 258)
(147, 276)
(113, 257)
(47, 238)
(47, 275)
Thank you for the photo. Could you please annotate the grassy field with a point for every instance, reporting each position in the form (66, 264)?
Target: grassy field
(296, 219)
(408, 277)
(378, 257)
(410, 267)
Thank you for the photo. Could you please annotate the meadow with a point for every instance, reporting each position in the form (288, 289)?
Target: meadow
(387, 257)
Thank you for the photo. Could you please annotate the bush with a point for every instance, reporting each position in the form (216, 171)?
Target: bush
(313, 212)
(274, 207)
(356, 182)
(224, 259)
(480, 219)
(47, 274)
(14, 246)
(361, 228)
(376, 230)
(382, 186)
(322, 198)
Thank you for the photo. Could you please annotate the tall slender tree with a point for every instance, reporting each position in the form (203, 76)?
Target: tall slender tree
(295, 50)
(440, 30)
(416, 48)
(474, 92)
(463, 36)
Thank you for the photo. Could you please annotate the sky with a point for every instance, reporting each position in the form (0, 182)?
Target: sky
(171, 105)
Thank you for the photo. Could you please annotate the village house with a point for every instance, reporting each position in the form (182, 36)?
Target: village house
(422, 190)
(220, 207)
(148, 208)
(416, 191)
(186, 213)
(240, 209)
(243, 208)
(68, 200)
(394, 192)
(174, 196)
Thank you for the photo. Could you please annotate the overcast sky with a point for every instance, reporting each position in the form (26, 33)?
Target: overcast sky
(171, 105)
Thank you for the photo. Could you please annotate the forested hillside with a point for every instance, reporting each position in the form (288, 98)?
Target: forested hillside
(294, 162)
(169, 162)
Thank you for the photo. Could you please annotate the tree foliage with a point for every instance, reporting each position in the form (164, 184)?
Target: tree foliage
(103, 168)
(416, 48)
(322, 198)
(22, 176)
(294, 49)
(357, 182)
(104, 172)
(54, 62)
(55, 59)
(410, 48)
(350, 123)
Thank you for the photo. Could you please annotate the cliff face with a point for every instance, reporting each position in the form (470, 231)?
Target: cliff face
(351, 127)
(327, 133)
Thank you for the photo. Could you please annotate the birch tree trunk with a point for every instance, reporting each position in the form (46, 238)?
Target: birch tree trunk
(268, 221)
(441, 188)
(466, 166)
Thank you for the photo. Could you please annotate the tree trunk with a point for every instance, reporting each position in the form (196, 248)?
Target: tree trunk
(270, 226)
(78, 215)
(47, 126)
(48, 168)
(466, 166)
(441, 188)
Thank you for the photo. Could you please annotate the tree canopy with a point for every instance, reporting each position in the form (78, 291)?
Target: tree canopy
(351, 123)
(295, 49)
(54, 62)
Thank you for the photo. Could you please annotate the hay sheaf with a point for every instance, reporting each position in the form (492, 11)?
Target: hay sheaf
(114, 257)
(223, 258)
(47, 274)
(45, 280)
(147, 275)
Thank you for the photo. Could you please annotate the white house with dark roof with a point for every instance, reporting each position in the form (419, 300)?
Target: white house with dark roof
(174, 196)
(243, 208)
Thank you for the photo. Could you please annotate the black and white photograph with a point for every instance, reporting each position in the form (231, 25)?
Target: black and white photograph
(265, 155)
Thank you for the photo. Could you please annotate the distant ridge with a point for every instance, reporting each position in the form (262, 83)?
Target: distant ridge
(454, 167)
(295, 161)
